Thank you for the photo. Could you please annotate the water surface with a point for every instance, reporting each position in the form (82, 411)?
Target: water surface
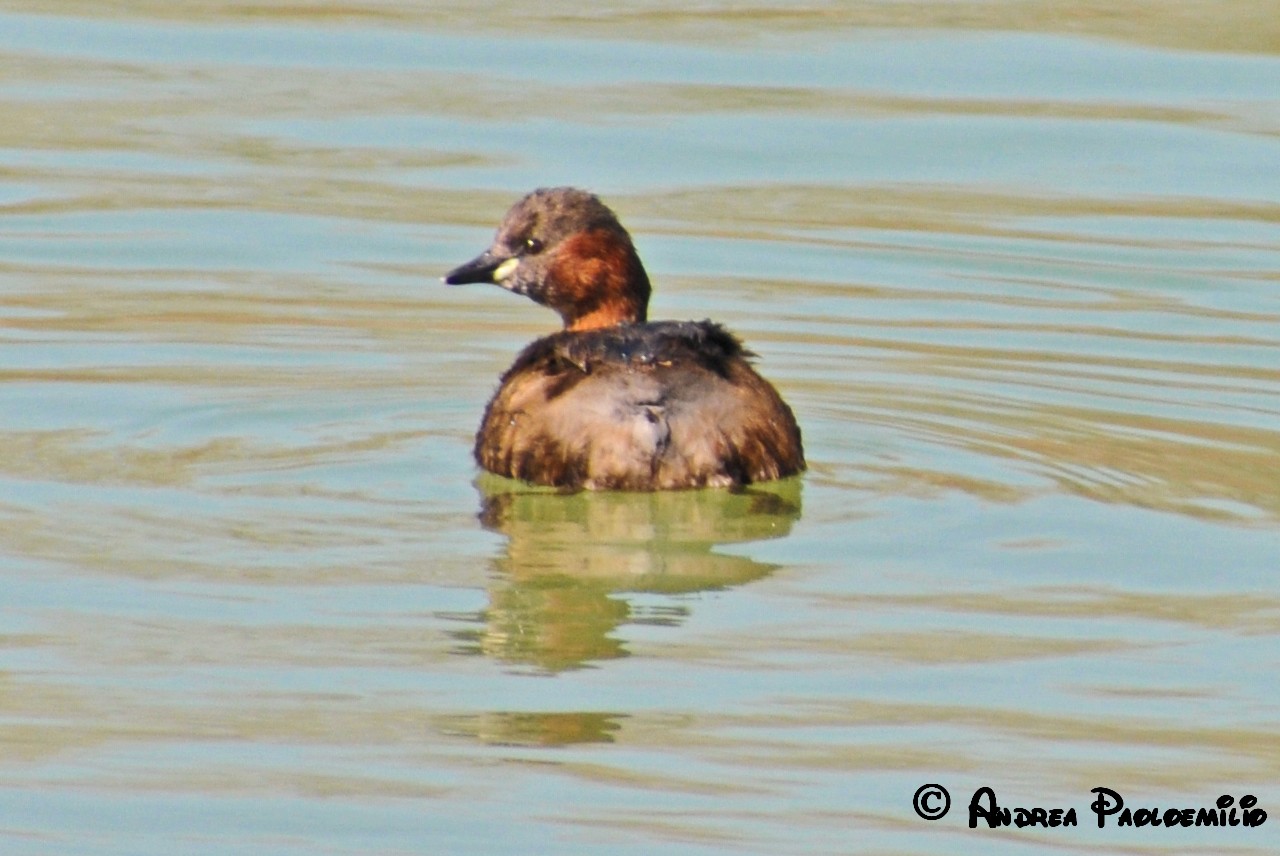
(1014, 267)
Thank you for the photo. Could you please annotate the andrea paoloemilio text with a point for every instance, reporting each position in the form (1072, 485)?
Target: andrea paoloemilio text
(1109, 808)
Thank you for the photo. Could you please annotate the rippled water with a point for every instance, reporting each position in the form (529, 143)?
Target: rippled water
(1014, 265)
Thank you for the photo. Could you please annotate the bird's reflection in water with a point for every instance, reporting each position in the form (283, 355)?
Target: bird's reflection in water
(560, 588)
(542, 728)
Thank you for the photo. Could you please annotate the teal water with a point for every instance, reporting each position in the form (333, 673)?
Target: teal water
(1013, 269)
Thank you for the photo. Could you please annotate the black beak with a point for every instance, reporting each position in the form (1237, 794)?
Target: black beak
(479, 269)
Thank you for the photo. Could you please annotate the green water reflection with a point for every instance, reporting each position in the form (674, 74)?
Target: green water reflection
(554, 601)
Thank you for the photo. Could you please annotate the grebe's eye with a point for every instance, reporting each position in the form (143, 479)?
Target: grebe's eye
(532, 246)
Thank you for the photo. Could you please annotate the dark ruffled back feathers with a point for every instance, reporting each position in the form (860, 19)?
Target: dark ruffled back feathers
(635, 345)
(670, 404)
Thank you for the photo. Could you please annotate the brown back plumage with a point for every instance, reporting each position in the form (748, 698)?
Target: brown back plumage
(638, 407)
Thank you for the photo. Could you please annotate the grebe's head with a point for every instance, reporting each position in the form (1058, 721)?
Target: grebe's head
(563, 248)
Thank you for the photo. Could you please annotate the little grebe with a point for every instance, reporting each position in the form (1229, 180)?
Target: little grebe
(612, 402)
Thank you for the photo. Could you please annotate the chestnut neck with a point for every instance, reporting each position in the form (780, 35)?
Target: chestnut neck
(600, 281)
(607, 315)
